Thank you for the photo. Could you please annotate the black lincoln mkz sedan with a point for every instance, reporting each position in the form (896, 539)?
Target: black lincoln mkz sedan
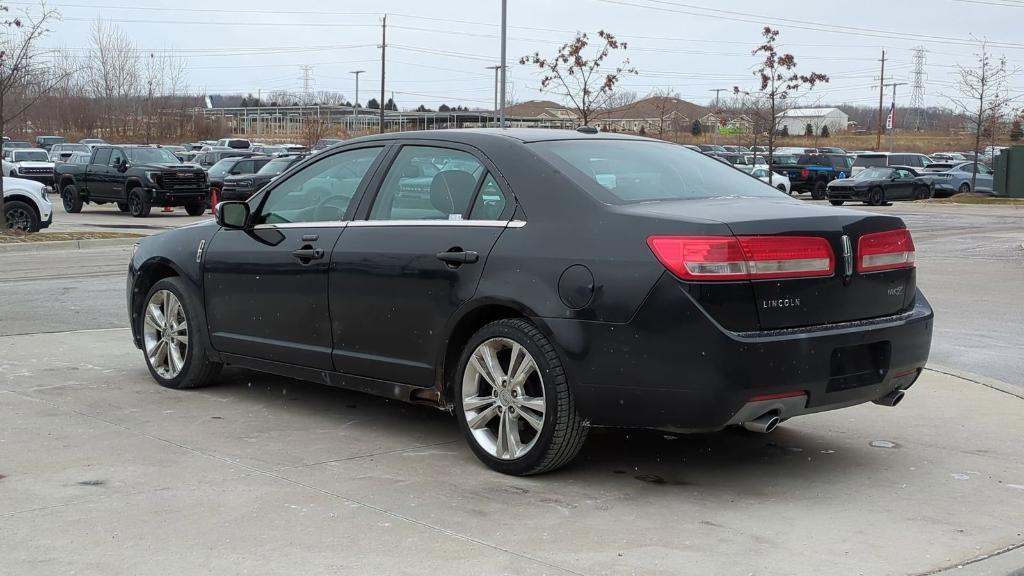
(549, 281)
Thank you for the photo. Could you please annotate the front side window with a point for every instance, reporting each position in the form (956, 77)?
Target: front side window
(870, 160)
(102, 156)
(116, 157)
(321, 191)
(428, 183)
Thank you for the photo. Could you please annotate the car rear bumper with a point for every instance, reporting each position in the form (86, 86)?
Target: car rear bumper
(673, 367)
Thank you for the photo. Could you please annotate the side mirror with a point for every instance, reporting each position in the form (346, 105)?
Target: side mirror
(232, 215)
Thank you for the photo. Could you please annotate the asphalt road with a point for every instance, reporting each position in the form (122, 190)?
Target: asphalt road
(102, 471)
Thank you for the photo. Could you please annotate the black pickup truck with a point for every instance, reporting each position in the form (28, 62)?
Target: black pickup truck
(136, 178)
(813, 172)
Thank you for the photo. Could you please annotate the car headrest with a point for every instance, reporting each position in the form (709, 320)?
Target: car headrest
(451, 190)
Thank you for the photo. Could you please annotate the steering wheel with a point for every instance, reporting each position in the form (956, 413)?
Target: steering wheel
(331, 208)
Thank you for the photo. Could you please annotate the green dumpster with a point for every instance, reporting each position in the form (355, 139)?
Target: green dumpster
(1009, 173)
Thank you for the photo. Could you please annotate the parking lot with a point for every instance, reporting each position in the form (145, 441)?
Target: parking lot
(102, 471)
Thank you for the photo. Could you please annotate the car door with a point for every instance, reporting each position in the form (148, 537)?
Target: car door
(902, 188)
(97, 181)
(984, 179)
(115, 179)
(411, 257)
(266, 286)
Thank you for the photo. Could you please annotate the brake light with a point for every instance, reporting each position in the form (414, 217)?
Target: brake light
(885, 251)
(805, 173)
(723, 258)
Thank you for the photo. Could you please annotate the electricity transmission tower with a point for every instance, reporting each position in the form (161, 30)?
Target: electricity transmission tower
(307, 84)
(917, 92)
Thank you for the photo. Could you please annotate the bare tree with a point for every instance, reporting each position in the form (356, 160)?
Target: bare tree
(23, 81)
(663, 100)
(115, 76)
(983, 96)
(580, 79)
(778, 82)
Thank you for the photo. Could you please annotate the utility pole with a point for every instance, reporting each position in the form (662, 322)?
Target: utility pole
(717, 91)
(504, 37)
(356, 106)
(383, 49)
(495, 68)
(892, 131)
(881, 96)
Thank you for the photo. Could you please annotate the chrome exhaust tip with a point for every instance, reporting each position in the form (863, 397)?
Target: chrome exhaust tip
(763, 424)
(891, 399)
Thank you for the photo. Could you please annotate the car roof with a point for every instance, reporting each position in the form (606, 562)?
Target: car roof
(496, 135)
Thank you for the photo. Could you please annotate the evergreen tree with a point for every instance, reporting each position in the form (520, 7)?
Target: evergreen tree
(696, 128)
(825, 132)
(373, 104)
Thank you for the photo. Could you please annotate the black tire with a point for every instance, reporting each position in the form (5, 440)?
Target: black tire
(876, 197)
(563, 431)
(122, 206)
(965, 188)
(20, 216)
(922, 193)
(782, 188)
(196, 208)
(71, 199)
(837, 202)
(819, 190)
(13, 174)
(138, 206)
(198, 369)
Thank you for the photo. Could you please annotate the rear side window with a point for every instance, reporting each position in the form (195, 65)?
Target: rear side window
(625, 172)
(428, 183)
(490, 202)
(866, 160)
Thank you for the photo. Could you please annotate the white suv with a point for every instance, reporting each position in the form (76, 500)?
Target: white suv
(29, 163)
(26, 207)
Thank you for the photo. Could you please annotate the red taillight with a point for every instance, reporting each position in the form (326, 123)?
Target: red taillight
(743, 257)
(805, 173)
(885, 251)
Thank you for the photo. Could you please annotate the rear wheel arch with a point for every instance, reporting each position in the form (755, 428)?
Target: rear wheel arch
(463, 327)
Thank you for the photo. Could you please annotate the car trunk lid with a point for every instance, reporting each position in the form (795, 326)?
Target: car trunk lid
(845, 295)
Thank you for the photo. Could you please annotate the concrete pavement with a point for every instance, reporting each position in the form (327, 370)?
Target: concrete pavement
(104, 472)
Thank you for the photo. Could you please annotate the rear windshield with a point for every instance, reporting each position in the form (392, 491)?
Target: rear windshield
(627, 172)
(238, 144)
(863, 160)
(276, 166)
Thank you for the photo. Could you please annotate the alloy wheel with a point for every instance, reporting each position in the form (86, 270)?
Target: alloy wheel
(134, 205)
(19, 219)
(503, 398)
(67, 199)
(165, 334)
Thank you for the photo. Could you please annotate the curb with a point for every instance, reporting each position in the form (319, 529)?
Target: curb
(67, 245)
(993, 383)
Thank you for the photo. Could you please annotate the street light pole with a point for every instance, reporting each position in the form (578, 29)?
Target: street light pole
(504, 37)
(357, 73)
(495, 68)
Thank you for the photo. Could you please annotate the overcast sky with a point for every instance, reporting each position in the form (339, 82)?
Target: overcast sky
(438, 50)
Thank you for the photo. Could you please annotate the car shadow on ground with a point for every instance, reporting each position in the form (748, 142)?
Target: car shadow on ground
(725, 461)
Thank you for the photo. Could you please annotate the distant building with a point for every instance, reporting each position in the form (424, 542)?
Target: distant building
(795, 120)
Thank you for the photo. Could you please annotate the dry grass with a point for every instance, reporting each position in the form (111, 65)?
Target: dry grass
(13, 237)
(981, 199)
